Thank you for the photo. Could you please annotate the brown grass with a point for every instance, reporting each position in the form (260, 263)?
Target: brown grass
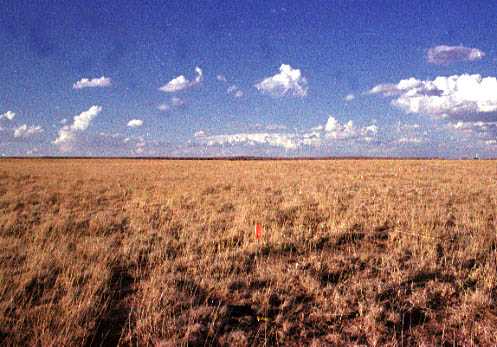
(107, 252)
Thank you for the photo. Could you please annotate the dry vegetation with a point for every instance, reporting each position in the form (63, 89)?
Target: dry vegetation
(106, 252)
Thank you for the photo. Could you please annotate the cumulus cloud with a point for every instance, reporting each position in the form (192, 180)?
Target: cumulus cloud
(482, 129)
(177, 102)
(404, 126)
(390, 89)
(177, 84)
(200, 133)
(288, 82)
(406, 134)
(64, 138)
(466, 125)
(140, 145)
(25, 131)
(474, 133)
(123, 144)
(286, 141)
(181, 82)
(410, 140)
(8, 115)
(331, 132)
(337, 131)
(93, 83)
(276, 127)
(235, 91)
(349, 97)
(135, 123)
(81, 122)
(444, 55)
(464, 97)
(163, 107)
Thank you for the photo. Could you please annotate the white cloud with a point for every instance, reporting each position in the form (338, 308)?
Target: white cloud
(469, 97)
(288, 82)
(286, 141)
(322, 135)
(469, 125)
(110, 135)
(64, 137)
(32, 151)
(313, 138)
(26, 131)
(182, 83)
(479, 129)
(199, 76)
(92, 83)
(371, 129)
(410, 140)
(140, 145)
(135, 123)
(8, 115)
(200, 133)
(232, 89)
(81, 122)
(235, 91)
(331, 124)
(349, 97)
(177, 84)
(174, 102)
(337, 131)
(444, 55)
(409, 134)
(405, 126)
(63, 121)
(276, 127)
(177, 102)
(163, 107)
(389, 89)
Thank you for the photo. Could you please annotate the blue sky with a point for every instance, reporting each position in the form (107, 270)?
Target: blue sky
(207, 78)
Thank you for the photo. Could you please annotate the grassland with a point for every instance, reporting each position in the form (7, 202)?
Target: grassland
(107, 252)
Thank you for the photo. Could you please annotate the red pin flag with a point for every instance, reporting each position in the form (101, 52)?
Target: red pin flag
(258, 231)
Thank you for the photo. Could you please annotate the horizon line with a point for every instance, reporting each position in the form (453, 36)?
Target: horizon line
(242, 158)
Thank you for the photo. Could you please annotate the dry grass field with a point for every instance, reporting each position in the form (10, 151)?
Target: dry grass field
(144, 252)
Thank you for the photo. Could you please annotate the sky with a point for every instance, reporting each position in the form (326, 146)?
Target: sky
(255, 78)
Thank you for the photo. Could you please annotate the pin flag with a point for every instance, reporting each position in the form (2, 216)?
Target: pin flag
(258, 231)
